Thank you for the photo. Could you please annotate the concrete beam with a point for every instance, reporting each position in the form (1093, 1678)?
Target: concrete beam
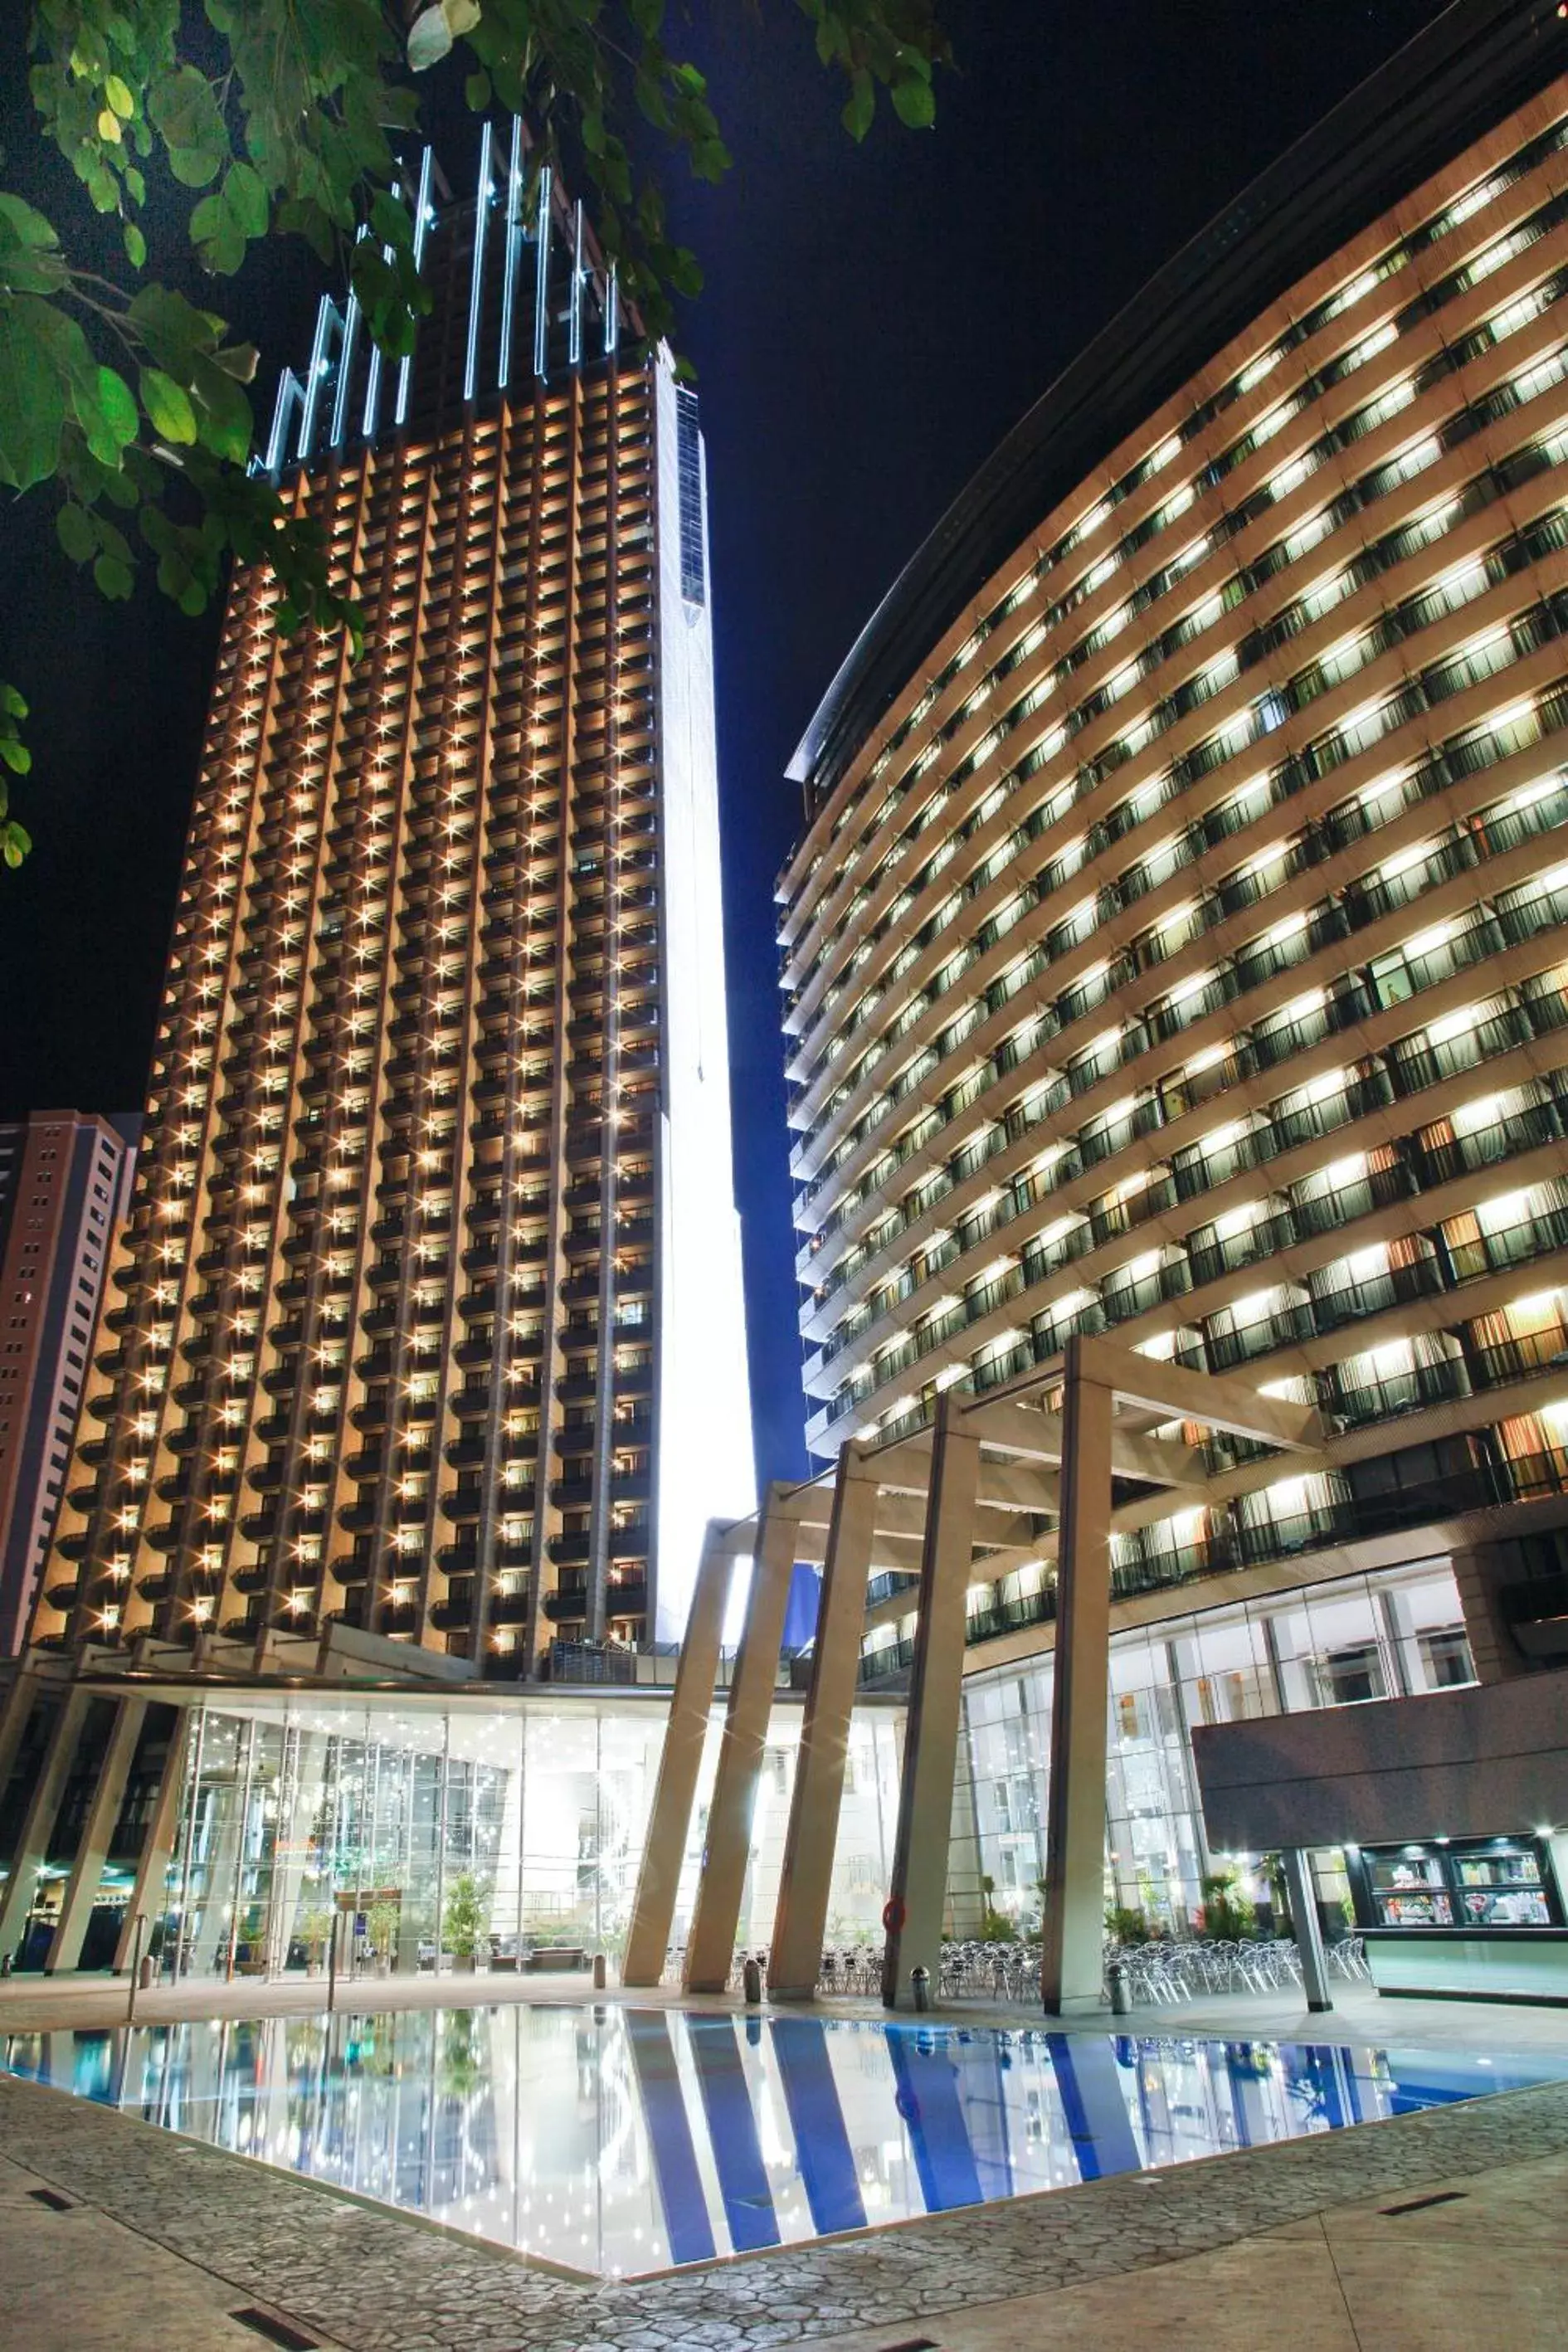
(33, 1841)
(1027, 1431)
(1216, 1399)
(147, 1895)
(710, 1947)
(918, 1891)
(680, 1761)
(800, 1921)
(97, 1833)
(1073, 1934)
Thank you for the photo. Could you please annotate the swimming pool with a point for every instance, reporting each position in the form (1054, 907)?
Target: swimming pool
(620, 2140)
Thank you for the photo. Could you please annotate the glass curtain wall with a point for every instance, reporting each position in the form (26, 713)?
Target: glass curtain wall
(505, 1838)
(1363, 1637)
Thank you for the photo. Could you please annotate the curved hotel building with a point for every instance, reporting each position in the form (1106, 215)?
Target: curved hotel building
(1176, 946)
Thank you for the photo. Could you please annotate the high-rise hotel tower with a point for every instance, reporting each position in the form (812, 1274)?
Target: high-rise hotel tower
(1176, 946)
(430, 1320)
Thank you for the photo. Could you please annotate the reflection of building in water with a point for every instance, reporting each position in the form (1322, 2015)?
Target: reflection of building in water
(621, 2140)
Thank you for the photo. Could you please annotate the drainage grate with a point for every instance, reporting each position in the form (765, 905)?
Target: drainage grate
(53, 2199)
(276, 2331)
(1420, 2204)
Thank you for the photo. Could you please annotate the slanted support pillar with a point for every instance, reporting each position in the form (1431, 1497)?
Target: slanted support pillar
(147, 1896)
(98, 1832)
(801, 1919)
(710, 1947)
(14, 1718)
(918, 1891)
(1308, 1928)
(1072, 1962)
(33, 1842)
(664, 1848)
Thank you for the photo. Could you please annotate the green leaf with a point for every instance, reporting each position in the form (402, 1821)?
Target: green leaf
(135, 245)
(120, 98)
(32, 399)
(391, 223)
(28, 227)
(184, 111)
(76, 533)
(195, 167)
(16, 756)
(172, 328)
(114, 398)
(476, 92)
(225, 419)
(245, 197)
(429, 40)
(115, 581)
(861, 106)
(914, 103)
(13, 702)
(167, 405)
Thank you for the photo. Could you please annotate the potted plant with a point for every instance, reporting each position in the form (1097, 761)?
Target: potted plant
(465, 1921)
(995, 1928)
(381, 1929)
(313, 1927)
(1127, 1925)
(1228, 1915)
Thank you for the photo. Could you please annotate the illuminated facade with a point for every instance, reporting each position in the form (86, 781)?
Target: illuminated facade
(1175, 948)
(63, 1176)
(431, 1323)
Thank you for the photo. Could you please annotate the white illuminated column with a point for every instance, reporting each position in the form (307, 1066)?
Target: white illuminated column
(703, 1464)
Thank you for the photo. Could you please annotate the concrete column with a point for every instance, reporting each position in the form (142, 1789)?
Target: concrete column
(1497, 1657)
(1071, 1970)
(675, 1791)
(710, 1947)
(801, 1919)
(918, 1888)
(148, 1895)
(13, 1719)
(1308, 1928)
(97, 1832)
(33, 1842)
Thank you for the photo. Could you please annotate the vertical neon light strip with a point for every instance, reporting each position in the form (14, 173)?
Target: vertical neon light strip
(372, 386)
(288, 393)
(612, 316)
(541, 279)
(345, 368)
(325, 314)
(477, 276)
(421, 224)
(575, 320)
(513, 248)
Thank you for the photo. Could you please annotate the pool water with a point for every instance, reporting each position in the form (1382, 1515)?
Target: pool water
(620, 2140)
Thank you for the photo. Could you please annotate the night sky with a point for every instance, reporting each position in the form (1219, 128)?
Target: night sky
(874, 320)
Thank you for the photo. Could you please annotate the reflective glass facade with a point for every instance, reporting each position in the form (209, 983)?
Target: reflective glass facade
(1331, 1645)
(517, 1829)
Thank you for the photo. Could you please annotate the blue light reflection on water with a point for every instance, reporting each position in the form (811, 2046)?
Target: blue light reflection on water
(619, 2140)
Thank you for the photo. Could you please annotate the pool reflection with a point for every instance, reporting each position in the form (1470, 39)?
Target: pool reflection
(617, 2140)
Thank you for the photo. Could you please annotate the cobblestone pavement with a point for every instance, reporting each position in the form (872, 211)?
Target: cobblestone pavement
(373, 2281)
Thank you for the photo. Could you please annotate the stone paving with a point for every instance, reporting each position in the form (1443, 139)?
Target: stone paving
(369, 2280)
